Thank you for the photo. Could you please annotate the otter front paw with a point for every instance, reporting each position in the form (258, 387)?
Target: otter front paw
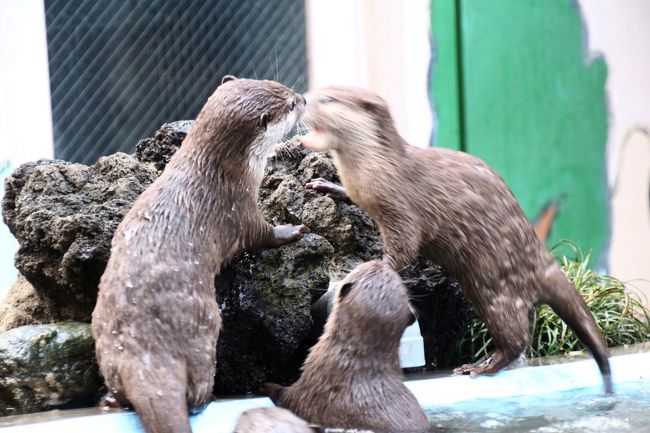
(109, 401)
(337, 192)
(287, 233)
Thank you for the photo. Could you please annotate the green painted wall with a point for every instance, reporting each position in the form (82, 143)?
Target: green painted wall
(445, 87)
(513, 81)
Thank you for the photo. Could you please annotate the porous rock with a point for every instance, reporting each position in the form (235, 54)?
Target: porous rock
(161, 147)
(24, 305)
(284, 197)
(45, 367)
(63, 216)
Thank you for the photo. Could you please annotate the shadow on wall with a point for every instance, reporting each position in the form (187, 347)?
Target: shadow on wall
(630, 207)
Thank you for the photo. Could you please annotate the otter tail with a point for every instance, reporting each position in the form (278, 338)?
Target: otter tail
(159, 398)
(570, 307)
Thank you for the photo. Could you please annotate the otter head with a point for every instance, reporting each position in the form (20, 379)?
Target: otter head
(271, 420)
(372, 306)
(244, 119)
(340, 116)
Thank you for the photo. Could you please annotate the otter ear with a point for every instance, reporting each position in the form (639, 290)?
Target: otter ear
(344, 290)
(264, 120)
(371, 106)
(227, 78)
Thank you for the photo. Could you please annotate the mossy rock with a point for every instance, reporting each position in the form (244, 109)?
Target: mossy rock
(45, 367)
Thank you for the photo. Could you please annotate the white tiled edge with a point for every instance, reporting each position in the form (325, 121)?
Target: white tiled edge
(221, 417)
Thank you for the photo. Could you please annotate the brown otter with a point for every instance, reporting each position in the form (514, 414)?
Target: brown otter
(279, 420)
(352, 376)
(271, 420)
(454, 209)
(156, 321)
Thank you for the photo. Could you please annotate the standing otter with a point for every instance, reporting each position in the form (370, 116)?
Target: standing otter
(156, 321)
(352, 376)
(454, 209)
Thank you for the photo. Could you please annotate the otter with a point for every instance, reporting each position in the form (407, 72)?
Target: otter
(157, 321)
(279, 420)
(454, 209)
(271, 420)
(352, 376)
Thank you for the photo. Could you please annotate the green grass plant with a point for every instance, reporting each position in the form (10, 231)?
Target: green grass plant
(619, 313)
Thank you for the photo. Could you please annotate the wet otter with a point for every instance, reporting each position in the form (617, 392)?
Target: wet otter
(454, 209)
(352, 376)
(279, 420)
(271, 420)
(156, 321)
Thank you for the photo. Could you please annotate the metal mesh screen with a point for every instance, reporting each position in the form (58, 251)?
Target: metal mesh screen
(121, 68)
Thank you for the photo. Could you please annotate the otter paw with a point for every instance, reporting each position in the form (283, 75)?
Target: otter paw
(333, 190)
(287, 233)
(200, 408)
(109, 401)
(473, 369)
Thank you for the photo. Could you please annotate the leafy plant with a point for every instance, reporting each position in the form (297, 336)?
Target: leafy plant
(619, 313)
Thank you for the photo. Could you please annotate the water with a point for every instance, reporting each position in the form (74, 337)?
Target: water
(580, 410)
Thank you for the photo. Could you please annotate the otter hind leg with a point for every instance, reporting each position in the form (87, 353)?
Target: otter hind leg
(508, 323)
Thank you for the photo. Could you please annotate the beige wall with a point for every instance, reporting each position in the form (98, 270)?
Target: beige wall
(630, 246)
(382, 45)
(25, 110)
(620, 30)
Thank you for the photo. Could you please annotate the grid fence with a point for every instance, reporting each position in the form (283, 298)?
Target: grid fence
(121, 68)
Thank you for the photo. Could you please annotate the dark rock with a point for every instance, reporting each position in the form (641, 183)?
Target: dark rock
(47, 367)
(164, 143)
(442, 310)
(265, 301)
(63, 216)
(284, 199)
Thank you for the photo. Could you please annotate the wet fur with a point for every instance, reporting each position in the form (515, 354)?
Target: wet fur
(352, 376)
(454, 209)
(157, 321)
(271, 420)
